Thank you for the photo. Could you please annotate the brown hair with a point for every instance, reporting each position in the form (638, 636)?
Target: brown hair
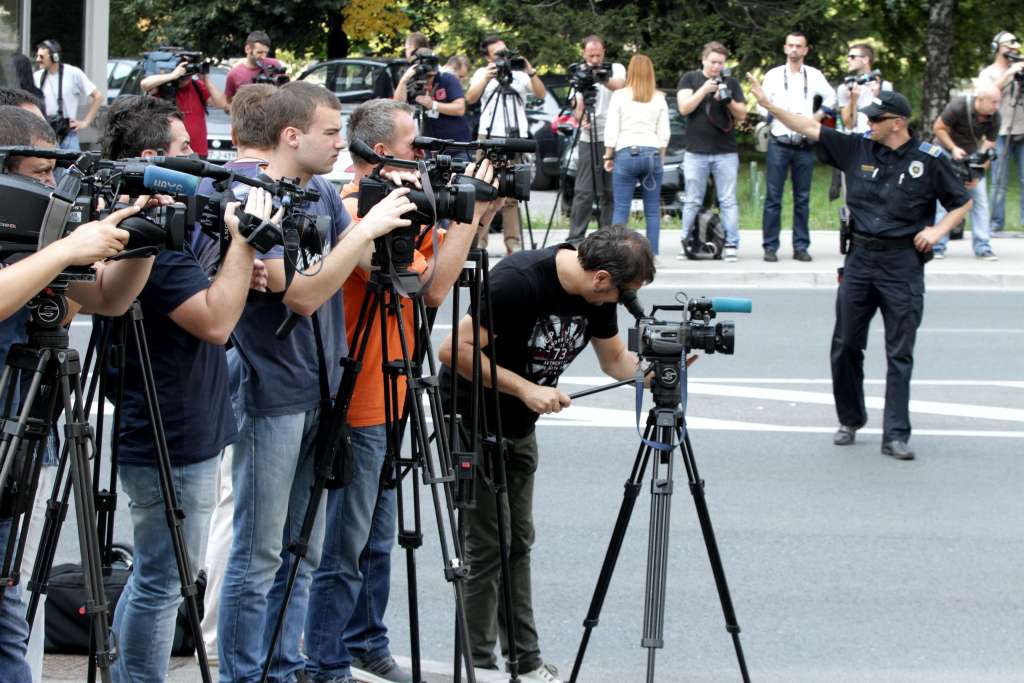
(716, 47)
(417, 40)
(294, 105)
(258, 37)
(625, 254)
(868, 51)
(249, 116)
(640, 78)
(592, 38)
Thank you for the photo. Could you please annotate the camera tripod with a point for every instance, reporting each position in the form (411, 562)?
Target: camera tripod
(506, 96)
(589, 100)
(385, 288)
(104, 503)
(666, 429)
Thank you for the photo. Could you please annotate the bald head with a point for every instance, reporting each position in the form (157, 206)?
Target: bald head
(986, 98)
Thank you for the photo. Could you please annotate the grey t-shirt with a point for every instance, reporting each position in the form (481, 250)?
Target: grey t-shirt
(965, 126)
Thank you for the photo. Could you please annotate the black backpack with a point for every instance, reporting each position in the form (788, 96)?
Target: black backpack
(707, 238)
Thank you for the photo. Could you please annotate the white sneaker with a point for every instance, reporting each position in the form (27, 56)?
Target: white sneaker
(939, 255)
(681, 256)
(730, 254)
(545, 674)
(988, 256)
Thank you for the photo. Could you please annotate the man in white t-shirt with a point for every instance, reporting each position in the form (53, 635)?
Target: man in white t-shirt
(503, 94)
(65, 89)
(851, 95)
(1005, 72)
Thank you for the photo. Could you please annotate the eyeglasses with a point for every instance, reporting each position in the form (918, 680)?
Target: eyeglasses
(855, 56)
(879, 119)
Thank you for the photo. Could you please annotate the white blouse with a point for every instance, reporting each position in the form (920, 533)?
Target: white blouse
(639, 124)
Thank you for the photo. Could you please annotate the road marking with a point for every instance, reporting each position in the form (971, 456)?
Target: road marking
(972, 330)
(1008, 384)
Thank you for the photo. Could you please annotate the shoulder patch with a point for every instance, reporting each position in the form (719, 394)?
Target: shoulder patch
(933, 150)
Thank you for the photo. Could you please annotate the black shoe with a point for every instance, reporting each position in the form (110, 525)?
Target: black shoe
(845, 436)
(770, 256)
(802, 255)
(897, 449)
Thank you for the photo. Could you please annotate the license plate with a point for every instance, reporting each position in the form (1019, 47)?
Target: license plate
(636, 206)
(222, 155)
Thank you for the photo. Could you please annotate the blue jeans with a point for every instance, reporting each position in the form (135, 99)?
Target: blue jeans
(725, 168)
(13, 627)
(1001, 178)
(70, 142)
(980, 232)
(778, 163)
(146, 612)
(272, 472)
(338, 581)
(644, 166)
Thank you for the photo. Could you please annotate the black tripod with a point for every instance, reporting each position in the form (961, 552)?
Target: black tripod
(666, 429)
(52, 372)
(503, 96)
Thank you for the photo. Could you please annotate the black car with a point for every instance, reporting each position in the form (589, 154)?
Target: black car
(356, 80)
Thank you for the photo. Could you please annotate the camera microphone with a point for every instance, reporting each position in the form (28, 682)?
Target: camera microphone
(628, 298)
(167, 181)
(364, 151)
(512, 145)
(195, 167)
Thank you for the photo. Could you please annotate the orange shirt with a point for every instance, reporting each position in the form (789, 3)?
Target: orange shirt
(367, 408)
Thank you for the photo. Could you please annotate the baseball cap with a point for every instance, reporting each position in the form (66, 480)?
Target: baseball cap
(887, 102)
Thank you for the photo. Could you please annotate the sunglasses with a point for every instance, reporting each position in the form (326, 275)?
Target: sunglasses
(855, 56)
(879, 119)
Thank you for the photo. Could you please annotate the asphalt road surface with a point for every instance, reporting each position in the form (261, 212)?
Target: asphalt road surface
(843, 564)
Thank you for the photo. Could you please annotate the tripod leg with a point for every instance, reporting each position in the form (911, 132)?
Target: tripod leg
(629, 496)
(699, 501)
(657, 550)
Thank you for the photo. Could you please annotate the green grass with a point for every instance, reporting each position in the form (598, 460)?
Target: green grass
(824, 214)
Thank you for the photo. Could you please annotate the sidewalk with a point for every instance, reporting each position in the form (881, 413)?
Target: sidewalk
(959, 270)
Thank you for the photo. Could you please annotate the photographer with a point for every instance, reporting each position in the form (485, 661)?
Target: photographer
(792, 86)
(272, 468)
(187, 319)
(546, 306)
(861, 85)
(1006, 72)
(65, 90)
(713, 102)
(503, 86)
(589, 170)
(257, 59)
(189, 93)
(349, 593)
(442, 100)
(969, 124)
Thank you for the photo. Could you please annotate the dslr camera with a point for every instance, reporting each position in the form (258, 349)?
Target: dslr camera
(270, 74)
(507, 61)
(972, 166)
(724, 93)
(425, 64)
(862, 79)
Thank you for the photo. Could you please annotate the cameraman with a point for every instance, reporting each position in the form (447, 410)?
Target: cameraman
(546, 306)
(712, 102)
(587, 163)
(508, 88)
(272, 468)
(1007, 73)
(190, 94)
(860, 60)
(442, 100)
(257, 59)
(187, 319)
(349, 594)
(969, 124)
(65, 90)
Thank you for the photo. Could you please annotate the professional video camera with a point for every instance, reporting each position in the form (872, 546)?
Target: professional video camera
(506, 62)
(585, 77)
(862, 79)
(513, 179)
(166, 59)
(34, 215)
(654, 339)
(270, 74)
(425, 64)
(972, 166)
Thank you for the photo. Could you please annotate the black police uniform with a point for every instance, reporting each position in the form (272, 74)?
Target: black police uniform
(891, 194)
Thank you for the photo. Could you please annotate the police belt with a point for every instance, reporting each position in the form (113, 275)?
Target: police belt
(882, 243)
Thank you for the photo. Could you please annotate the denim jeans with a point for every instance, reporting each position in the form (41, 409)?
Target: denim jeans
(644, 166)
(1001, 179)
(724, 168)
(339, 580)
(272, 472)
(778, 163)
(146, 612)
(70, 142)
(980, 232)
(13, 627)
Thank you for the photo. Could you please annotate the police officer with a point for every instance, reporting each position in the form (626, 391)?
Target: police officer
(893, 181)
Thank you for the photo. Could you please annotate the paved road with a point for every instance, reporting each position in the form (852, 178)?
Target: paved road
(844, 565)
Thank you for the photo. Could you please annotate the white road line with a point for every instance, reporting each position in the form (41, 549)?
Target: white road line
(1002, 383)
(972, 330)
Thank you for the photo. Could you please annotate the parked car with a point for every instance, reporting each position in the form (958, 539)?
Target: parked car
(353, 80)
(118, 69)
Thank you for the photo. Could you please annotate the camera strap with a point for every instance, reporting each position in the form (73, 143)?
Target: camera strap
(60, 87)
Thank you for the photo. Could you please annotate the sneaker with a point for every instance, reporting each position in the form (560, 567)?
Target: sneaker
(998, 234)
(545, 674)
(939, 254)
(681, 256)
(383, 669)
(730, 254)
(988, 256)
(770, 256)
(801, 255)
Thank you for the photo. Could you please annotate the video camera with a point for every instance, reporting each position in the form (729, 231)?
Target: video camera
(654, 339)
(270, 74)
(862, 79)
(166, 59)
(425, 64)
(585, 77)
(34, 215)
(513, 179)
(506, 62)
(972, 166)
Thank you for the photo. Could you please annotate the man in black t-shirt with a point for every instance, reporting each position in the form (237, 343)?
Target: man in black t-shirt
(546, 306)
(712, 102)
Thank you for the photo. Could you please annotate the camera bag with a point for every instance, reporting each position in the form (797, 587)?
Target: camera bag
(706, 240)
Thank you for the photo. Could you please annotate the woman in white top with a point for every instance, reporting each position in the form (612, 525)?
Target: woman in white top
(635, 139)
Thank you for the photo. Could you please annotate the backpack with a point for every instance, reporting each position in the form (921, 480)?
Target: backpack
(707, 238)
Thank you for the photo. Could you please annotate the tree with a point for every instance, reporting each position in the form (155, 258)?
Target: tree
(935, 90)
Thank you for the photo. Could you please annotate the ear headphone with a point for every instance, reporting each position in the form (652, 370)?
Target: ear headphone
(54, 47)
(995, 41)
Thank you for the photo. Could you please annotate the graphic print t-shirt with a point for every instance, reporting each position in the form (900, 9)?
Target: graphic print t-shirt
(538, 329)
